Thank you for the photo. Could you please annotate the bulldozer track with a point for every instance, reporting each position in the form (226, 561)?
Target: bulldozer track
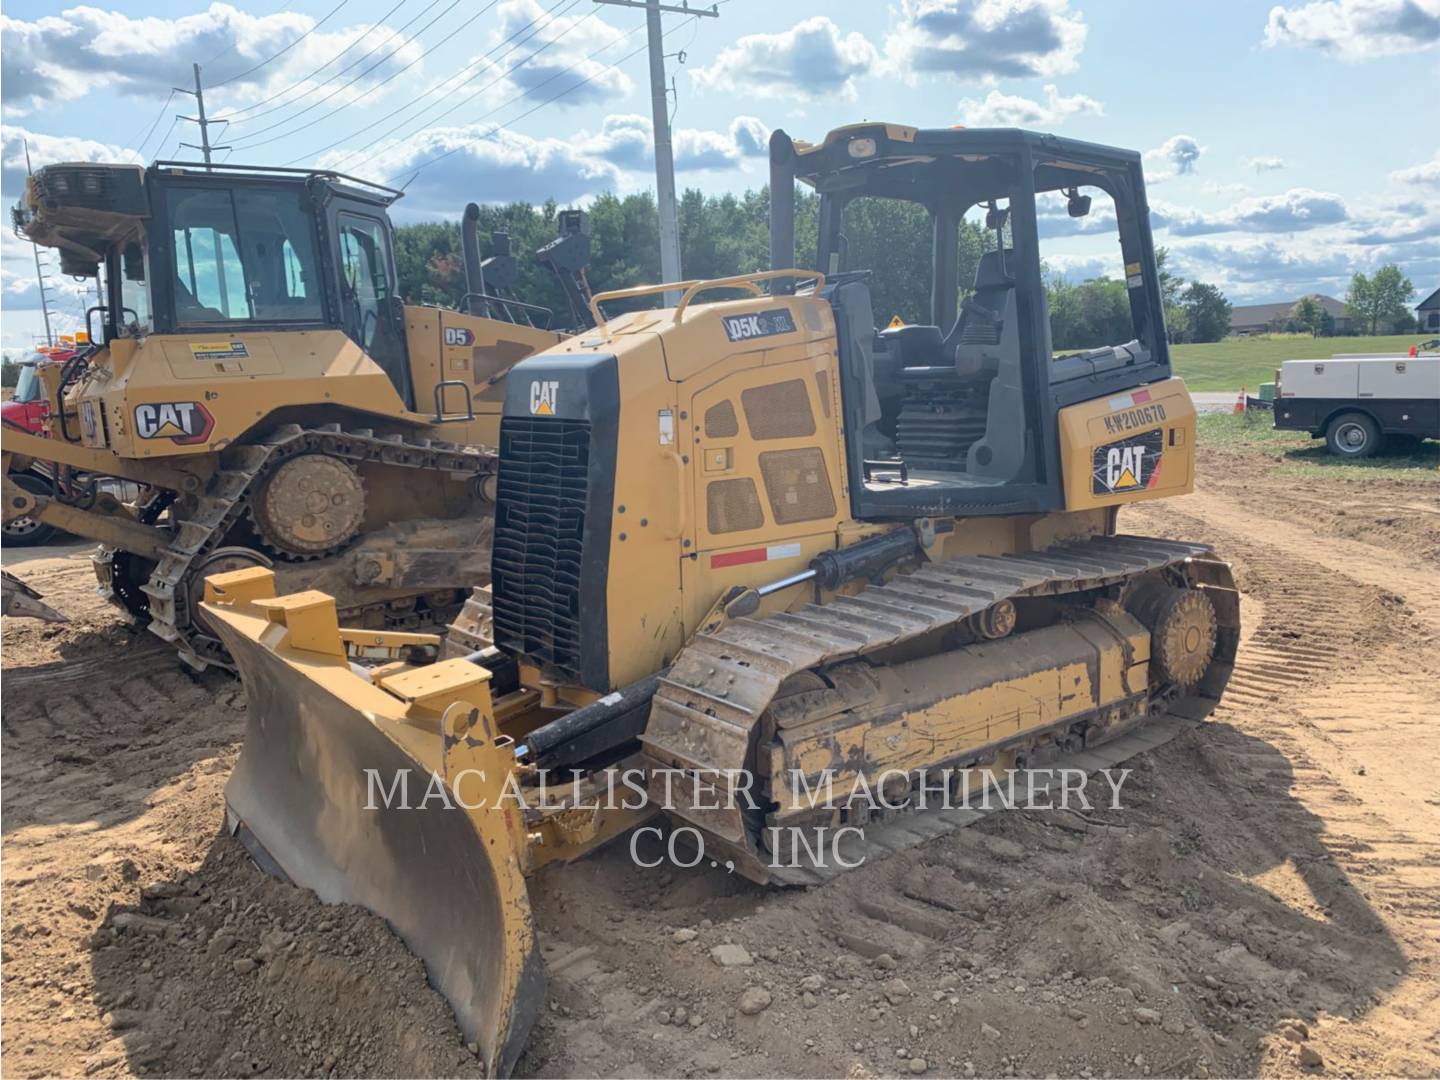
(224, 504)
(712, 699)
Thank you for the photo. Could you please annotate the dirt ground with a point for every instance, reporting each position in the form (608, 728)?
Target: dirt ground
(1267, 902)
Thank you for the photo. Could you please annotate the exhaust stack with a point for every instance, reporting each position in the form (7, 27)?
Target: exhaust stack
(470, 245)
(782, 209)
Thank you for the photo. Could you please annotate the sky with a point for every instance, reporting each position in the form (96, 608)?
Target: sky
(1286, 145)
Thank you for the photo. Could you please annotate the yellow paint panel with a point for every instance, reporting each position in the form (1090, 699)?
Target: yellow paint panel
(1130, 446)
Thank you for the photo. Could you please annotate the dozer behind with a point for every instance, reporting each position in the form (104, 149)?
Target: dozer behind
(255, 372)
(748, 547)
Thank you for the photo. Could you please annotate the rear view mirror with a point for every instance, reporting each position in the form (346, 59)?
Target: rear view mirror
(1078, 205)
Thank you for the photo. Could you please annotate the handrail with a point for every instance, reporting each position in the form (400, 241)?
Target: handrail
(633, 291)
(743, 281)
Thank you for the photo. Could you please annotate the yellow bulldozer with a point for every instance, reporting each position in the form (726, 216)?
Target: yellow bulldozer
(257, 378)
(749, 547)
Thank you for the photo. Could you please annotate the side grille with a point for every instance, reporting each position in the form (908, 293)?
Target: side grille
(539, 538)
(732, 506)
(778, 411)
(798, 485)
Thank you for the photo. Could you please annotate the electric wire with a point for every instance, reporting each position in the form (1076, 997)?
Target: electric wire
(298, 83)
(275, 56)
(350, 154)
(253, 141)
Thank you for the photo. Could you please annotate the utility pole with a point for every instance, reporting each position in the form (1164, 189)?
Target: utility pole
(660, 114)
(39, 273)
(199, 95)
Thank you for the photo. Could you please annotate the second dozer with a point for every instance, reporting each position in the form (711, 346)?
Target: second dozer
(758, 541)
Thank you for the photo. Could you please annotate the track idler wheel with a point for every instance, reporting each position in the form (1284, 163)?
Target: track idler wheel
(312, 505)
(1182, 626)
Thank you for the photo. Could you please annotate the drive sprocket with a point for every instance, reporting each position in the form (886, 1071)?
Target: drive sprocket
(310, 506)
(1183, 628)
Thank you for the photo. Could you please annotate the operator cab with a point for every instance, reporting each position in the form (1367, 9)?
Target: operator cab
(189, 249)
(951, 378)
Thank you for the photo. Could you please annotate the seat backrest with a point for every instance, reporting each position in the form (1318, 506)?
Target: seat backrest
(975, 338)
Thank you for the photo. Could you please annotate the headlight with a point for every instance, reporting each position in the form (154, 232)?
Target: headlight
(862, 148)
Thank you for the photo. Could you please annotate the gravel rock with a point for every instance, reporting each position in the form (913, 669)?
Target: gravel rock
(918, 1065)
(1310, 1057)
(755, 1000)
(1146, 1016)
(684, 934)
(731, 956)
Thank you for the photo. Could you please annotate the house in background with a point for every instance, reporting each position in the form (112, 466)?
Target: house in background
(1427, 312)
(1273, 318)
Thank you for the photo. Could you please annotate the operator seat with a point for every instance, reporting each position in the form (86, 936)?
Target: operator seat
(975, 340)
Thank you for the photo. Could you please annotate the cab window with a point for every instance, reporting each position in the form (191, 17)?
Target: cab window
(244, 255)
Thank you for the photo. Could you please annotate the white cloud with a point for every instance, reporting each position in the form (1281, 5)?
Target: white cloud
(1265, 163)
(64, 57)
(1297, 210)
(498, 164)
(1271, 270)
(1010, 110)
(983, 40)
(1179, 153)
(1427, 173)
(1078, 268)
(811, 60)
(504, 165)
(626, 141)
(47, 150)
(1356, 30)
(551, 56)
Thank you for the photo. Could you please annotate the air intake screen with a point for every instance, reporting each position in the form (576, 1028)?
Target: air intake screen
(539, 532)
(778, 411)
(798, 485)
(732, 506)
(720, 421)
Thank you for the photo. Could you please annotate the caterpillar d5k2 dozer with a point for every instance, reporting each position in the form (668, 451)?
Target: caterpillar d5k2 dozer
(255, 371)
(745, 545)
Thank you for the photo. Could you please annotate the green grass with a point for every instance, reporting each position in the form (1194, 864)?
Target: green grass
(1252, 435)
(1247, 362)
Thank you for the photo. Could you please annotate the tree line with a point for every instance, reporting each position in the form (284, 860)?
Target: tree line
(725, 235)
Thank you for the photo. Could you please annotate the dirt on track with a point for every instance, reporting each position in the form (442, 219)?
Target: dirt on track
(1267, 902)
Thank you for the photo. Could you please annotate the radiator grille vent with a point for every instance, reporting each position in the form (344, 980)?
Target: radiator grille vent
(732, 506)
(797, 484)
(539, 535)
(721, 422)
(779, 411)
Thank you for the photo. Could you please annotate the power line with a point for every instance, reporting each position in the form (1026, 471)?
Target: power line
(421, 97)
(306, 78)
(352, 82)
(206, 63)
(282, 52)
(413, 173)
(140, 149)
(173, 121)
(529, 112)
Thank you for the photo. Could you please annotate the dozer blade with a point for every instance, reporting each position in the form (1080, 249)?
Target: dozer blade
(314, 799)
(19, 599)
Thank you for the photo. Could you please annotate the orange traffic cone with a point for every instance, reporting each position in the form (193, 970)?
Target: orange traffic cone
(1240, 402)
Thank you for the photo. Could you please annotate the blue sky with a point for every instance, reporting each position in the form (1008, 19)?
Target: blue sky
(1287, 145)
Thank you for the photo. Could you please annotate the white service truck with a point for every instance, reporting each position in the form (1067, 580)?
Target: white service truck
(1356, 402)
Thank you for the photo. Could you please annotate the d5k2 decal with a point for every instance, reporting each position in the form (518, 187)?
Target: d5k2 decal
(1131, 464)
(182, 422)
(758, 324)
